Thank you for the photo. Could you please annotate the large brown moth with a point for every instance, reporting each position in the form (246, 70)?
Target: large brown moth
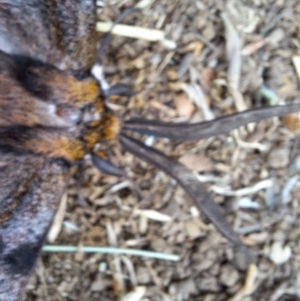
(53, 114)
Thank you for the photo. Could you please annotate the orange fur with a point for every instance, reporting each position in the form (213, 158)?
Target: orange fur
(292, 122)
(77, 93)
(33, 102)
(111, 127)
(91, 139)
(66, 89)
(56, 146)
(101, 154)
(105, 129)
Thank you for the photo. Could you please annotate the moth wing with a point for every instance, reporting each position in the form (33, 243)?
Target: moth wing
(30, 191)
(60, 32)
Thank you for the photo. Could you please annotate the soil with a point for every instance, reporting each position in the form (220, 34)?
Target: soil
(217, 57)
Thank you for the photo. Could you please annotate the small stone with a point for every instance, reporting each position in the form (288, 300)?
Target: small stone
(276, 36)
(209, 31)
(203, 265)
(143, 275)
(279, 254)
(229, 275)
(208, 284)
(101, 283)
(279, 158)
(159, 245)
(192, 229)
(187, 287)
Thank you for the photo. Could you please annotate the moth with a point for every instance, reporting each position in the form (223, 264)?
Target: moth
(53, 114)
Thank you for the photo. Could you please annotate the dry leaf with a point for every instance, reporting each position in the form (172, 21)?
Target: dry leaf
(196, 162)
(292, 122)
(93, 236)
(287, 88)
(253, 47)
(207, 75)
(184, 106)
(192, 229)
(258, 237)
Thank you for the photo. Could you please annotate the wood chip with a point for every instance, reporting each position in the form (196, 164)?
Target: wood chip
(192, 229)
(249, 284)
(253, 47)
(154, 215)
(58, 219)
(196, 162)
(135, 32)
(296, 63)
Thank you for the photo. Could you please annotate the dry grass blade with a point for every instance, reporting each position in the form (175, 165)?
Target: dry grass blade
(233, 46)
(233, 49)
(110, 250)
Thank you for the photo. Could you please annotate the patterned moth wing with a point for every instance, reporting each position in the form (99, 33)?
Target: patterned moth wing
(60, 33)
(54, 32)
(31, 188)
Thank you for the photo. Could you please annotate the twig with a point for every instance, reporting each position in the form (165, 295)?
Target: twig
(132, 31)
(244, 191)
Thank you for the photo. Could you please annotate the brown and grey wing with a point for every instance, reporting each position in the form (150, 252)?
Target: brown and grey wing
(61, 32)
(30, 191)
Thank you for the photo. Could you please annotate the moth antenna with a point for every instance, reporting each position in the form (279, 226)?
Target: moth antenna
(206, 129)
(107, 167)
(195, 189)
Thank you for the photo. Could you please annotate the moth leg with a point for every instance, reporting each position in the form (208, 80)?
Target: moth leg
(102, 163)
(107, 129)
